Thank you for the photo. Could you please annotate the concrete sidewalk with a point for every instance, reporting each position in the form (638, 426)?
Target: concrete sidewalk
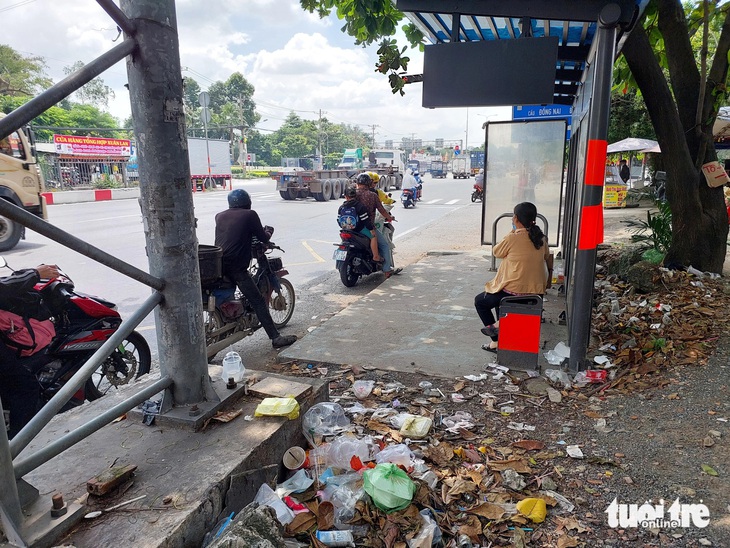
(422, 320)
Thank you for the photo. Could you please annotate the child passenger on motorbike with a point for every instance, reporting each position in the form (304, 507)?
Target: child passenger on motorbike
(523, 270)
(360, 222)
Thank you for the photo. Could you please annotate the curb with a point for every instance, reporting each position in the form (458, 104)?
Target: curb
(99, 195)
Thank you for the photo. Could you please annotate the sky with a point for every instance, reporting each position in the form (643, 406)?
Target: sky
(295, 61)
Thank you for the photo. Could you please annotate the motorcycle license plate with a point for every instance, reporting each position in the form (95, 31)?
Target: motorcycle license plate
(340, 255)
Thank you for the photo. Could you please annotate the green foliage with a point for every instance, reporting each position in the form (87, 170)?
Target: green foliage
(96, 92)
(629, 117)
(656, 231)
(107, 181)
(21, 75)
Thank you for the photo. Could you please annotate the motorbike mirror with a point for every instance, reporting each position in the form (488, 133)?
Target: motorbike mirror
(3, 262)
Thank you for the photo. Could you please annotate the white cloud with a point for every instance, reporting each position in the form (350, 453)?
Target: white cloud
(295, 60)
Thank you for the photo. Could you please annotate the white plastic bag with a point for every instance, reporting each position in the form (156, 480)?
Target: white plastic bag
(267, 497)
(397, 454)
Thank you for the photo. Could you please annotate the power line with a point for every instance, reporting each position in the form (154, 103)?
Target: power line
(6, 8)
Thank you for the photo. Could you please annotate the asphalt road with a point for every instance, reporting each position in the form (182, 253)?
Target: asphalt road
(305, 229)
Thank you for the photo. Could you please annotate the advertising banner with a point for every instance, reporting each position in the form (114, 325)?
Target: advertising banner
(91, 146)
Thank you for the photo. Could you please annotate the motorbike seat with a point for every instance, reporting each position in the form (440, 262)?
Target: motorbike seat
(360, 239)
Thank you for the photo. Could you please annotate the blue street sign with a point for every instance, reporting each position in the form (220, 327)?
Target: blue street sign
(544, 112)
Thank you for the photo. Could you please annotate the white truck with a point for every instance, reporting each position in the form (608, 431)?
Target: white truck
(21, 183)
(220, 163)
(460, 168)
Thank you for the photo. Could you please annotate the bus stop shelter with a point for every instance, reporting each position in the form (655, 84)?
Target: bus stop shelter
(542, 53)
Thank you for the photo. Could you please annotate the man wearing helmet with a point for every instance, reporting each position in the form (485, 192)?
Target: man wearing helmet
(235, 229)
(372, 202)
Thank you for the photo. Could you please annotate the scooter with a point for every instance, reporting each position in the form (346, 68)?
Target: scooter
(228, 317)
(353, 257)
(410, 196)
(478, 193)
(83, 323)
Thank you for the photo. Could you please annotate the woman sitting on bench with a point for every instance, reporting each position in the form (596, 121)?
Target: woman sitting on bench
(523, 270)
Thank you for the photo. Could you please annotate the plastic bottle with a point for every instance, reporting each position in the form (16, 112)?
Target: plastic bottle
(464, 542)
(233, 367)
(336, 538)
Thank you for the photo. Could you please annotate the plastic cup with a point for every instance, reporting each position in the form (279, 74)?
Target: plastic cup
(294, 458)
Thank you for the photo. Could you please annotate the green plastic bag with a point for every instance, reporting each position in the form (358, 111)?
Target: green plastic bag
(390, 487)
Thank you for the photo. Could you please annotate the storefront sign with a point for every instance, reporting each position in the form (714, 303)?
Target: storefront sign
(91, 146)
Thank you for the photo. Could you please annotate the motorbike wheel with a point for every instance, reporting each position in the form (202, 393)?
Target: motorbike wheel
(473, 197)
(212, 321)
(347, 273)
(281, 303)
(130, 360)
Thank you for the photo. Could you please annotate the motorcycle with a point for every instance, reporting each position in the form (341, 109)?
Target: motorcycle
(478, 193)
(353, 257)
(412, 194)
(83, 323)
(228, 317)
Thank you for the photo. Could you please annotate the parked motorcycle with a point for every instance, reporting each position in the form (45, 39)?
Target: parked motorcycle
(83, 323)
(229, 317)
(478, 193)
(353, 257)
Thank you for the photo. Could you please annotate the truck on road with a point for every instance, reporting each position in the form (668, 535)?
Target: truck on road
(329, 184)
(21, 183)
(438, 169)
(220, 163)
(460, 168)
(351, 159)
(477, 161)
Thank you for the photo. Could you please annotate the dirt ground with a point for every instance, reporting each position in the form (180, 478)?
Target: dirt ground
(657, 433)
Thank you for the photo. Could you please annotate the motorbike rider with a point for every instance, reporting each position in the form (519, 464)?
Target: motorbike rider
(479, 179)
(235, 229)
(19, 390)
(360, 222)
(381, 225)
(372, 202)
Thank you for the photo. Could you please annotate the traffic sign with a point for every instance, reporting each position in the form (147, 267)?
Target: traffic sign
(204, 99)
(205, 115)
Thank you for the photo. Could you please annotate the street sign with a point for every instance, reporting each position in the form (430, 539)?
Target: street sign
(544, 112)
(204, 99)
(251, 157)
(205, 115)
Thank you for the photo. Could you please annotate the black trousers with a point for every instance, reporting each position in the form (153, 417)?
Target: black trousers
(19, 390)
(245, 283)
(485, 302)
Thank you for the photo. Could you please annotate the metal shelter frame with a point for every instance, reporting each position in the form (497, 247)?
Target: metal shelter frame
(589, 32)
(155, 84)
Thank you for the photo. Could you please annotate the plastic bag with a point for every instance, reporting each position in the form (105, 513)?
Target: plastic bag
(390, 487)
(323, 419)
(558, 376)
(298, 483)
(429, 534)
(266, 497)
(362, 389)
(342, 449)
(397, 454)
(278, 407)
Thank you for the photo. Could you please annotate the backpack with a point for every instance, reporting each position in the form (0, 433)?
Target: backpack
(347, 217)
(25, 335)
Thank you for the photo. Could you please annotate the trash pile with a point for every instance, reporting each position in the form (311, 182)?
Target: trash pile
(639, 334)
(395, 466)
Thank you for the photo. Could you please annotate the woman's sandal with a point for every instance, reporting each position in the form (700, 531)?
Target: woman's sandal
(489, 348)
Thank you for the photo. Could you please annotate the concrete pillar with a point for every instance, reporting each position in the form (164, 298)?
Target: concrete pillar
(156, 91)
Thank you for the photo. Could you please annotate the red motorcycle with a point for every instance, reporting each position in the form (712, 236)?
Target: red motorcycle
(83, 323)
(478, 193)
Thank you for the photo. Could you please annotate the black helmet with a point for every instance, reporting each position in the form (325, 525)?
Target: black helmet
(364, 179)
(350, 191)
(239, 198)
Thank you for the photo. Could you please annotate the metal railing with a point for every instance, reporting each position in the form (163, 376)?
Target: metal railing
(494, 232)
(155, 88)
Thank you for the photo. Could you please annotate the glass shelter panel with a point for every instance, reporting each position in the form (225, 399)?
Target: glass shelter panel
(524, 163)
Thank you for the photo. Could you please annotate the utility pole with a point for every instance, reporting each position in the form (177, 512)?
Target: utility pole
(374, 126)
(466, 146)
(242, 145)
(319, 141)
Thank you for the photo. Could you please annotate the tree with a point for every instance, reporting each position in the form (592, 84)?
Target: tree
(629, 117)
(683, 101)
(19, 75)
(191, 103)
(95, 92)
(237, 94)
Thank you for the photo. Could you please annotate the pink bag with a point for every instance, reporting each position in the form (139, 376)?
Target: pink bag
(25, 335)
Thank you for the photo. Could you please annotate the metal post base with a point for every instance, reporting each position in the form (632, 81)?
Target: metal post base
(194, 417)
(41, 528)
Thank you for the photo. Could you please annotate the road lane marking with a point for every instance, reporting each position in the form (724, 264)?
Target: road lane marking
(314, 253)
(452, 202)
(434, 201)
(138, 215)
